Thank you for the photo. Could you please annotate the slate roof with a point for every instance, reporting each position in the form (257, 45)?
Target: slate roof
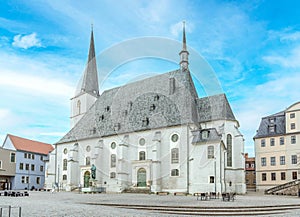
(276, 120)
(23, 144)
(89, 83)
(214, 108)
(164, 100)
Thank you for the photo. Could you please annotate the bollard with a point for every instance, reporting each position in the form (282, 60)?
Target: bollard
(9, 210)
(1, 212)
(20, 212)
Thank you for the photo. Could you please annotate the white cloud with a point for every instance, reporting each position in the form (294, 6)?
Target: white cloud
(35, 84)
(26, 41)
(288, 61)
(55, 134)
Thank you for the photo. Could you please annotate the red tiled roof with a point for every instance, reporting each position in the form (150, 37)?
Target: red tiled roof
(30, 145)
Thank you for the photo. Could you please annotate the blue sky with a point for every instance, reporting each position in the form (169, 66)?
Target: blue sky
(253, 47)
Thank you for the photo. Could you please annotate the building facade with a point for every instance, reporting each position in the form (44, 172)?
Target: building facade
(250, 173)
(29, 166)
(153, 133)
(277, 148)
(7, 168)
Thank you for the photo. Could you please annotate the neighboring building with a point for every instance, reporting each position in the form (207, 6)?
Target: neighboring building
(277, 148)
(250, 173)
(29, 162)
(151, 134)
(7, 168)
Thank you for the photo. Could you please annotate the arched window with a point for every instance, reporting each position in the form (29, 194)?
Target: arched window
(87, 161)
(175, 172)
(113, 160)
(64, 177)
(229, 150)
(142, 155)
(174, 155)
(78, 106)
(65, 164)
(112, 175)
(210, 152)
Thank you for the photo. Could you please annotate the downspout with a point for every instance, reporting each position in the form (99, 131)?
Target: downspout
(55, 178)
(188, 160)
(221, 167)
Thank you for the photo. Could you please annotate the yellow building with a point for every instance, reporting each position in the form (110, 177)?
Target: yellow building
(277, 148)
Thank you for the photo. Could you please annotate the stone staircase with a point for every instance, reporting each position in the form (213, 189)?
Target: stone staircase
(289, 188)
(135, 190)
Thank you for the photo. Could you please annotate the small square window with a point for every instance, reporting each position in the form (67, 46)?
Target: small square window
(293, 126)
(293, 139)
(281, 140)
(292, 115)
(273, 161)
(211, 179)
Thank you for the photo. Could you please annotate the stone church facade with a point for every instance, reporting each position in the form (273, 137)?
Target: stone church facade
(154, 134)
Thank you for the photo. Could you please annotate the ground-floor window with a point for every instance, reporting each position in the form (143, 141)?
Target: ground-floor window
(283, 176)
(64, 177)
(211, 179)
(273, 176)
(38, 180)
(294, 175)
(175, 172)
(112, 175)
(264, 177)
(23, 179)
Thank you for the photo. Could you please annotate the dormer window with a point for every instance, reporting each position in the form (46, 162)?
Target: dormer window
(156, 97)
(145, 122)
(101, 118)
(205, 134)
(272, 129)
(107, 108)
(152, 107)
(272, 120)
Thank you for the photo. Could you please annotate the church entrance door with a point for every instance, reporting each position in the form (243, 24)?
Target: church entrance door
(141, 177)
(86, 179)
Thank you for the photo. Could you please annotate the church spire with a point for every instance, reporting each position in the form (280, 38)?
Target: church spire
(90, 78)
(184, 54)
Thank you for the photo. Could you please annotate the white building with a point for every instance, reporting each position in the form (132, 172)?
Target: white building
(151, 134)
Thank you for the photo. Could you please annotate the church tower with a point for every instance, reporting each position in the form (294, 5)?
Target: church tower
(87, 90)
(184, 54)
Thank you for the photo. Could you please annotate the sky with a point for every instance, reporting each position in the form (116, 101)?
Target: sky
(252, 46)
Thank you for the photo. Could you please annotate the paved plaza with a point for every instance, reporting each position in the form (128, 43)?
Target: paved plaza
(46, 204)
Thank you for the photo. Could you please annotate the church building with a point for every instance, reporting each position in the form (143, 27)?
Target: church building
(154, 134)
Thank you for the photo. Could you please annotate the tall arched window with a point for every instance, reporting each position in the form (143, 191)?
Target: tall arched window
(78, 106)
(210, 152)
(65, 164)
(229, 150)
(142, 155)
(113, 160)
(87, 161)
(174, 155)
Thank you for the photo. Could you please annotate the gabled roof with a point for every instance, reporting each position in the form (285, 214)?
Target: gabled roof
(214, 108)
(22, 144)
